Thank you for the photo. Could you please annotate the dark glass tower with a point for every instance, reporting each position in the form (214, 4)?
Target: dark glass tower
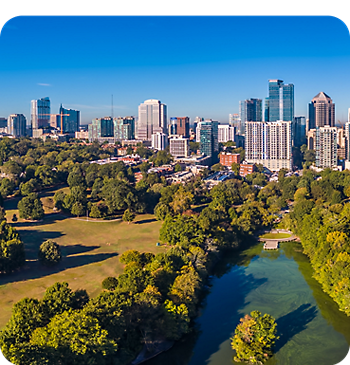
(280, 101)
(70, 120)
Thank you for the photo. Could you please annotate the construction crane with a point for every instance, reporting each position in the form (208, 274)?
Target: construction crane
(62, 115)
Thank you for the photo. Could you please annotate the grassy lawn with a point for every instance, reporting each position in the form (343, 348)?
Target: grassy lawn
(276, 235)
(90, 253)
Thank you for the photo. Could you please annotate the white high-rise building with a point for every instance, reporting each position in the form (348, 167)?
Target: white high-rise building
(326, 147)
(347, 139)
(269, 144)
(159, 141)
(226, 133)
(16, 125)
(152, 119)
(179, 146)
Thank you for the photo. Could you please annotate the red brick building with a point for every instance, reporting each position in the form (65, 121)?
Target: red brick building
(246, 169)
(226, 158)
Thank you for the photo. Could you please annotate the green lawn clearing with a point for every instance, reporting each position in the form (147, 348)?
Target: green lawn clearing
(276, 236)
(90, 253)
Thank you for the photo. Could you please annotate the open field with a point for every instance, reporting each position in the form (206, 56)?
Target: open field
(275, 236)
(90, 253)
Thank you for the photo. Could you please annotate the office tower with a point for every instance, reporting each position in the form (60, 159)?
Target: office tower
(326, 147)
(152, 119)
(226, 133)
(209, 142)
(3, 122)
(69, 122)
(249, 111)
(269, 144)
(124, 128)
(299, 131)
(321, 111)
(266, 110)
(341, 143)
(16, 125)
(179, 126)
(101, 128)
(159, 141)
(40, 113)
(179, 146)
(280, 102)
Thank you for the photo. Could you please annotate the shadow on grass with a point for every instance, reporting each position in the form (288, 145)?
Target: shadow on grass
(293, 323)
(48, 218)
(34, 270)
(33, 238)
(76, 249)
(150, 220)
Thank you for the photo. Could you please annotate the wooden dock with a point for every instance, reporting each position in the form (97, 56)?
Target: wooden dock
(271, 245)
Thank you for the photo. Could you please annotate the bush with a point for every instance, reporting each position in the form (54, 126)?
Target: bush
(49, 253)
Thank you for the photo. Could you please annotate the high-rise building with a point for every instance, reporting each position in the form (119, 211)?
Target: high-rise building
(249, 111)
(299, 131)
(3, 122)
(341, 143)
(179, 126)
(70, 120)
(347, 140)
(179, 146)
(152, 119)
(280, 102)
(101, 129)
(326, 147)
(40, 113)
(124, 128)
(226, 133)
(209, 138)
(321, 111)
(159, 141)
(269, 144)
(16, 125)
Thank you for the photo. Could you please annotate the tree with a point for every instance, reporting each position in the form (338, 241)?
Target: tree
(110, 283)
(95, 212)
(31, 207)
(49, 253)
(78, 209)
(2, 214)
(128, 216)
(254, 338)
(76, 338)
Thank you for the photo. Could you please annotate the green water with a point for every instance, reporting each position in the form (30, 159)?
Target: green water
(311, 328)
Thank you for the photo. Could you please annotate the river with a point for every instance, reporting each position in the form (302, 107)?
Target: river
(311, 328)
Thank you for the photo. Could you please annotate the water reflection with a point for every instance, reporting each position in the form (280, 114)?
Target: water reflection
(277, 282)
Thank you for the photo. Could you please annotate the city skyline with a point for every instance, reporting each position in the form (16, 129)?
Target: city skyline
(197, 66)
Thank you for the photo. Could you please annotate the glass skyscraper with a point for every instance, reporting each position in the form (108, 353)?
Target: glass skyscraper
(70, 122)
(249, 111)
(209, 138)
(280, 103)
(40, 113)
(124, 128)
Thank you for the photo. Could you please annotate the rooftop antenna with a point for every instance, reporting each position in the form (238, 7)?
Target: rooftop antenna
(112, 107)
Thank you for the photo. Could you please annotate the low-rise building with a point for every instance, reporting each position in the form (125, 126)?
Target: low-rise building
(246, 169)
(227, 159)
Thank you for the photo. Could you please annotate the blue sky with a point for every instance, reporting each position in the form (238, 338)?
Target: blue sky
(198, 66)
